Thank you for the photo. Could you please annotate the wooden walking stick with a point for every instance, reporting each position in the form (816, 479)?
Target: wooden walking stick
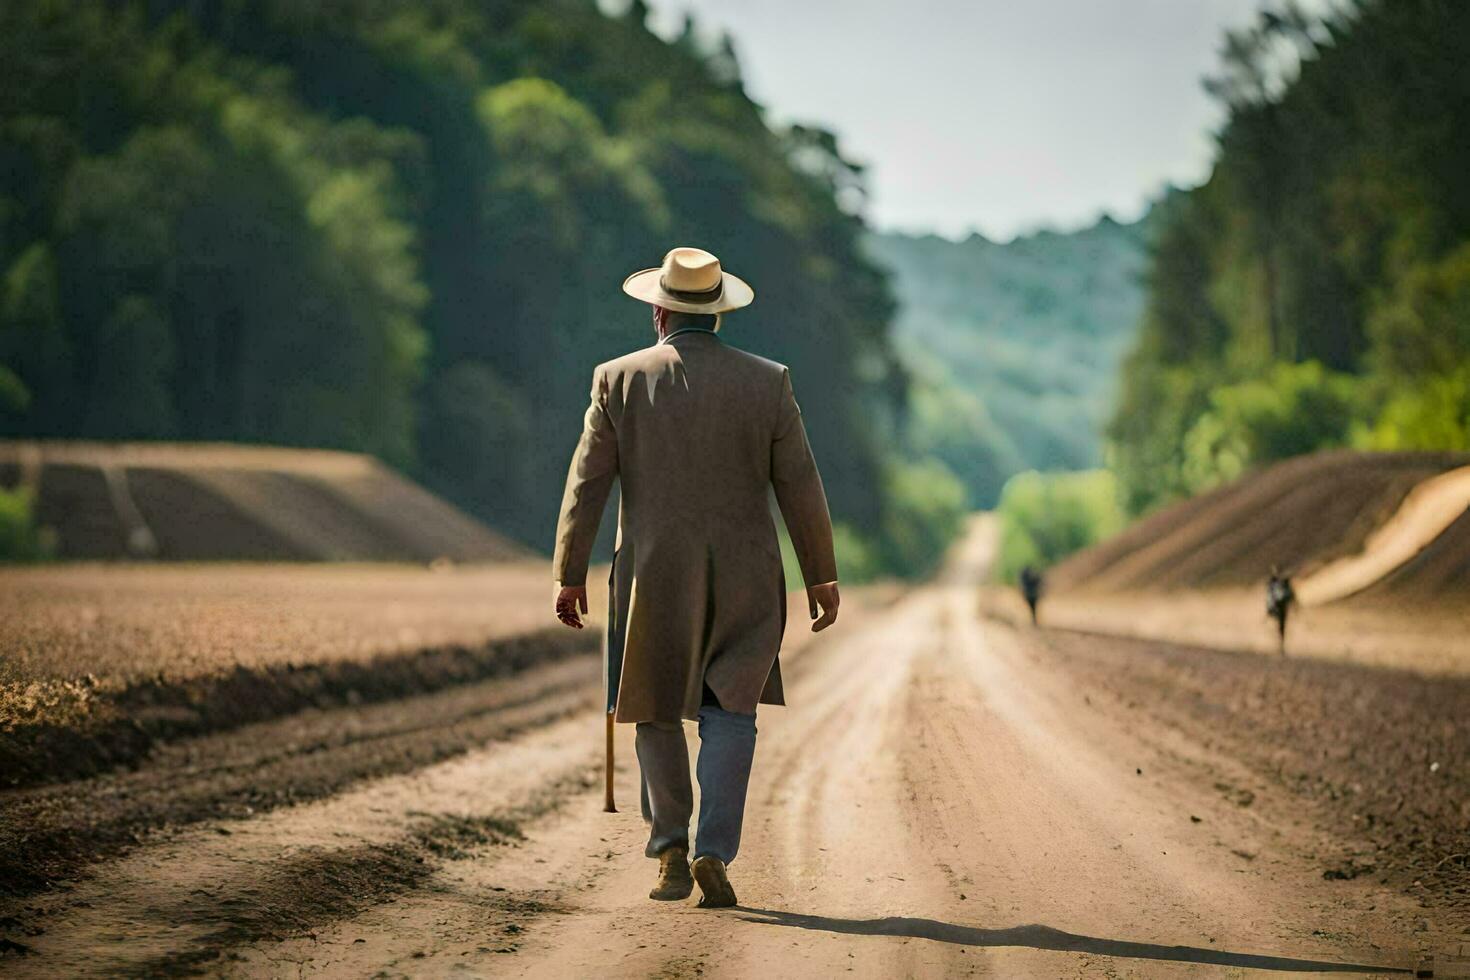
(612, 671)
(608, 806)
(612, 675)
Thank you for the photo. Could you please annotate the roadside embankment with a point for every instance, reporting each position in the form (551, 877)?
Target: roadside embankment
(1301, 514)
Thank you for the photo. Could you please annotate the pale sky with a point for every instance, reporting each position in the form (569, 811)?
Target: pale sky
(994, 115)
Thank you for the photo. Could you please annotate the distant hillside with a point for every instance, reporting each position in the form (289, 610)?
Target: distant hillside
(1019, 343)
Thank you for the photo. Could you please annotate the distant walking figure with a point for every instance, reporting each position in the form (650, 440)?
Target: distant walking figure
(1031, 589)
(698, 434)
(1279, 597)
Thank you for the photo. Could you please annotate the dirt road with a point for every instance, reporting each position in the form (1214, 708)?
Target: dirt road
(942, 797)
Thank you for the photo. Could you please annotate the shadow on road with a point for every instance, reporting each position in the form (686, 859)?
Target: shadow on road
(1045, 937)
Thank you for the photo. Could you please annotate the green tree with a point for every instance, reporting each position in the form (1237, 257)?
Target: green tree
(925, 511)
(21, 540)
(1295, 409)
(1046, 516)
(1433, 414)
(1424, 327)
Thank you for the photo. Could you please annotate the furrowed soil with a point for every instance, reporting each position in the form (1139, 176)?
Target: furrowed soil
(105, 662)
(122, 624)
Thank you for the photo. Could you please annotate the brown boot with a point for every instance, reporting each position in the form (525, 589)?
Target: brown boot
(710, 873)
(674, 882)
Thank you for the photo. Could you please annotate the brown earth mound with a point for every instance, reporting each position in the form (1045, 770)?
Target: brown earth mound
(243, 503)
(1441, 570)
(1298, 514)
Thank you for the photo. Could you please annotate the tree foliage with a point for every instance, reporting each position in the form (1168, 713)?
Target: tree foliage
(21, 539)
(1046, 516)
(1294, 409)
(1316, 289)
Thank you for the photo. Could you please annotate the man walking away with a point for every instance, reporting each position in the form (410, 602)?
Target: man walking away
(1279, 598)
(697, 433)
(1031, 589)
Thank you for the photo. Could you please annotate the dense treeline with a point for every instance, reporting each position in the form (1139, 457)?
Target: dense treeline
(1316, 290)
(399, 226)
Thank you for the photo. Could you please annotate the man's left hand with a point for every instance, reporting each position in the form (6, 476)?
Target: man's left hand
(571, 605)
(828, 598)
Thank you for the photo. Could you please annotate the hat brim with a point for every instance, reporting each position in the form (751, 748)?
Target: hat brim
(644, 285)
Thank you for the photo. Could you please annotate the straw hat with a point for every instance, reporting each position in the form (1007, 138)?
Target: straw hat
(690, 281)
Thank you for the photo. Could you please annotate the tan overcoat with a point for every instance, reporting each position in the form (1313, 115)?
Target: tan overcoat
(697, 433)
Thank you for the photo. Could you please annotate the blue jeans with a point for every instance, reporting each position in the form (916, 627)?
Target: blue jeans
(726, 750)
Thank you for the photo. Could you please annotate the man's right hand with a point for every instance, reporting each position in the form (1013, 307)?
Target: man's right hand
(825, 596)
(571, 600)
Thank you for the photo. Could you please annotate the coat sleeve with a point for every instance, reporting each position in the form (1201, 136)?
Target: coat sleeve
(594, 467)
(799, 492)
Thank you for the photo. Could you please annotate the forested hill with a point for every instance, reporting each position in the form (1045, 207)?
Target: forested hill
(400, 226)
(1015, 346)
(1315, 291)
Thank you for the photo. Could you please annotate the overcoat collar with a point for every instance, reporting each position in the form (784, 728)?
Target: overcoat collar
(685, 330)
